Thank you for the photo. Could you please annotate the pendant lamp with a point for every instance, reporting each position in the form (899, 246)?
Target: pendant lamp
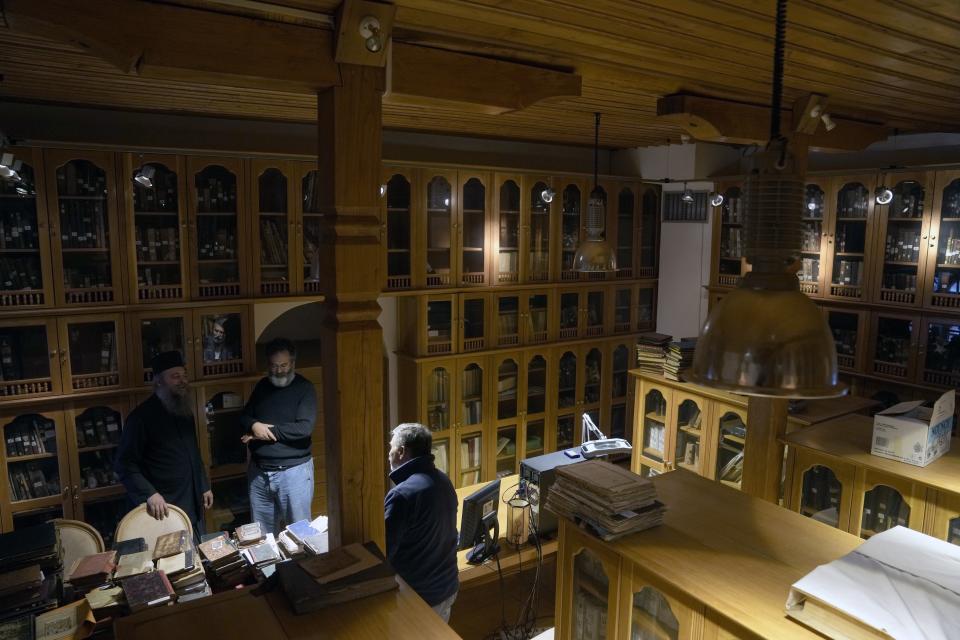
(594, 254)
(766, 338)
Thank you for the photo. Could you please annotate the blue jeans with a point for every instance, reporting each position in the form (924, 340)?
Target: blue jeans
(279, 498)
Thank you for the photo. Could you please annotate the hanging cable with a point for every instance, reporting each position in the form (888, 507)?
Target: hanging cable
(778, 50)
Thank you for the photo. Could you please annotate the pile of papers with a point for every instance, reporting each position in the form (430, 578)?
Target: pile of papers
(612, 501)
(679, 357)
(651, 355)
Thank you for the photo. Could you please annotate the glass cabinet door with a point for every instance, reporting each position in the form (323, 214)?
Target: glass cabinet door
(473, 322)
(568, 426)
(820, 495)
(729, 268)
(104, 514)
(159, 332)
(24, 250)
(946, 520)
(847, 330)
(619, 381)
(649, 258)
(93, 444)
(732, 433)
(849, 238)
(537, 312)
(218, 230)
(940, 353)
(84, 227)
(28, 358)
(439, 219)
(894, 346)
(626, 236)
(94, 356)
(594, 325)
(814, 214)
(622, 309)
(646, 307)
(691, 422)
(472, 394)
(569, 314)
(508, 320)
(399, 232)
(159, 227)
(34, 474)
(473, 232)
(438, 392)
(944, 265)
(571, 228)
(441, 455)
(534, 404)
(311, 227)
(221, 410)
(508, 415)
(653, 437)
(508, 248)
(903, 228)
(273, 273)
(471, 459)
(654, 616)
(591, 617)
(538, 240)
(592, 377)
(440, 324)
(221, 341)
(884, 507)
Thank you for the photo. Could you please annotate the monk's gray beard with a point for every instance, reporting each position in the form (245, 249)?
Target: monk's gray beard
(176, 404)
(281, 381)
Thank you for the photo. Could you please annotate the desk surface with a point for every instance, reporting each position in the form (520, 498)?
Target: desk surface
(471, 574)
(397, 614)
(736, 554)
(849, 439)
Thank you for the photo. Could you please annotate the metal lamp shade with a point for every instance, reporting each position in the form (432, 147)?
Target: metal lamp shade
(764, 340)
(594, 256)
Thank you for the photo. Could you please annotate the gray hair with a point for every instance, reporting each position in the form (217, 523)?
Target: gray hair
(414, 437)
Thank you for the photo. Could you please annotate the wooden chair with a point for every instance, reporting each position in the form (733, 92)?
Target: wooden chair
(78, 539)
(140, 524)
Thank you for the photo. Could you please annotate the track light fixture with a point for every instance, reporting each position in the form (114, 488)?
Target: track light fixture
(370, 32)
(383, 190)
(10, 167)
(828, 122)
(144, 176)
(547, 195)
(883, 194)
(687, 194)
(22, 190)
(716, 199)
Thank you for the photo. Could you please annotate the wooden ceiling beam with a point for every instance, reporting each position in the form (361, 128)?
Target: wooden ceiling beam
(425, 76)
(717, 120)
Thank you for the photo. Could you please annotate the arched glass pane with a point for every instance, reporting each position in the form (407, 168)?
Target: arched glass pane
(536, 385)
(570, 228)
(567, 391)
(883, 508)
(821, 495)
(438, 400)
(591, 586)
(507, 385)
(689, 429)
(654, 425)
(398, 229)
(84, 229)
(733, 433)
(508, 262)
(439, 224)
(591, 390)
(539, 245)
(474, 229)
(472, 395)
(653, 618)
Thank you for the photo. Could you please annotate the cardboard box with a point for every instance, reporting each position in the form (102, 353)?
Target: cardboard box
(914, 434)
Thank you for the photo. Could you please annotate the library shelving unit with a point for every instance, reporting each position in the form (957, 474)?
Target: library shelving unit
(885, 272)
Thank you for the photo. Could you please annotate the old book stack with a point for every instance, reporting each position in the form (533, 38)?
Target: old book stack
(651, 348)
(185, 572)
(30, 568)
(263, 556)
(310, 536)
(226, 568)
(145, 590)
(611, 500)
(92, 571)
(133, 564)
(106, 602)
(679, 357)
(344, 574)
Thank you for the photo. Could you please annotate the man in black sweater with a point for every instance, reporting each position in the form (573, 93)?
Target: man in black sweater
(278, 420)
(421, 519)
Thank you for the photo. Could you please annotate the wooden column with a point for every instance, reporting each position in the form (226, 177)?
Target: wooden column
(349, 124)
(763, 451)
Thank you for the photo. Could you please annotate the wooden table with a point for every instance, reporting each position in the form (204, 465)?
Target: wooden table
(238, 614)
(510, 560)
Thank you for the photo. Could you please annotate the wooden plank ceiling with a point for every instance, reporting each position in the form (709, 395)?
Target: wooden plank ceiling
(895, 62)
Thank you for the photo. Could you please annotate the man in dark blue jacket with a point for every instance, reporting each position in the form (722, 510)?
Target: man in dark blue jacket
(421, 518)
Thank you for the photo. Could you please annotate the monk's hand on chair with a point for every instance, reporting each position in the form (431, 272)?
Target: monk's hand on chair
(157, 506)
(262, 431)
(207, 499)
(245, 438)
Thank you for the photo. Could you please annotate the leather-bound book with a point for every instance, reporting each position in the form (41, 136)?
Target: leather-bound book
(170, 544)
(148, 590)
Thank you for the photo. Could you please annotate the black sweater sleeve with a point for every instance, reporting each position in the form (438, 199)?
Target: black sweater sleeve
(302, 426)
(129, 458)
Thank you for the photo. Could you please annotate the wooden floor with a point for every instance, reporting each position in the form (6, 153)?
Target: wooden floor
(476, 613)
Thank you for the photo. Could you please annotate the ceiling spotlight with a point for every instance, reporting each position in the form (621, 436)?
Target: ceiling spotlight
(828, 122)
(883, 195)
(144, 177)
(10, 168)
(370, 31)
(716, 199)
(687, 194)
(383, 190)
(547, 195)
(22, 190)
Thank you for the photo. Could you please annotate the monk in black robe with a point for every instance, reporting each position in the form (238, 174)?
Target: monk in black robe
(158, 460)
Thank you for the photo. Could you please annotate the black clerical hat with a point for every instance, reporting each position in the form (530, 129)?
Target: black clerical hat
(166, 360)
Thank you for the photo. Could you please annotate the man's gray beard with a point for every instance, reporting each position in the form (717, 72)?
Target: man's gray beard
(176, 404)
(281, 381)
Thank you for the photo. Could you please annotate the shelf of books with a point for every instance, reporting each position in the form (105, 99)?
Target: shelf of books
(218, 215)
(24, 248)
(274, 194)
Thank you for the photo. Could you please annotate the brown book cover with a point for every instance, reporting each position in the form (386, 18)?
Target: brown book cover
(147, 590)
(249, 534)
(134, 564)
(218, 550)
(21, 579)
(170, 544)
(95, 567)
